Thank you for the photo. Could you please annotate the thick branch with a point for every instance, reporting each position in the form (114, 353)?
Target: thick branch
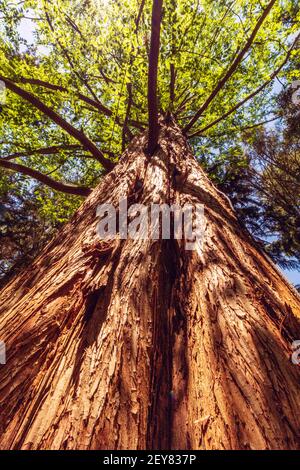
(62, 187)
(250, 96)
(232, 68)
(96, 103)
(139, 15)
(78, 135)
(129, 85)
(152, 76)
(54, 149)
(92, 102)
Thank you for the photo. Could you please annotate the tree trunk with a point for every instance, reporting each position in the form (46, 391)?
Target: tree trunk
(134, 344)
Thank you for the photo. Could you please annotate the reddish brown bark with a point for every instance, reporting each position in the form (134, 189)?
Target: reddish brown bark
(134, 344)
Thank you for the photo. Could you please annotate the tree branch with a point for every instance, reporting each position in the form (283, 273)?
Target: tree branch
(153, 131)
(78, 135)
(251, 95)
(82, 79)
(242, 129)
(129, 85)
(75, 27)
(58, 186)
(128, 108)
(232, 68)
(139, 15)
(172, 85)
(96, 103)
(65, 52)
(54, 150)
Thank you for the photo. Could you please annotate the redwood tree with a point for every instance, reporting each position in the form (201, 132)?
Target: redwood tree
(131, 343)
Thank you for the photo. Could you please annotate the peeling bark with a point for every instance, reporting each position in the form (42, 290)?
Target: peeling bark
(134, 344)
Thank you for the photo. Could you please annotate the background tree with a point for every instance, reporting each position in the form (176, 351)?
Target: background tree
(27, 223)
